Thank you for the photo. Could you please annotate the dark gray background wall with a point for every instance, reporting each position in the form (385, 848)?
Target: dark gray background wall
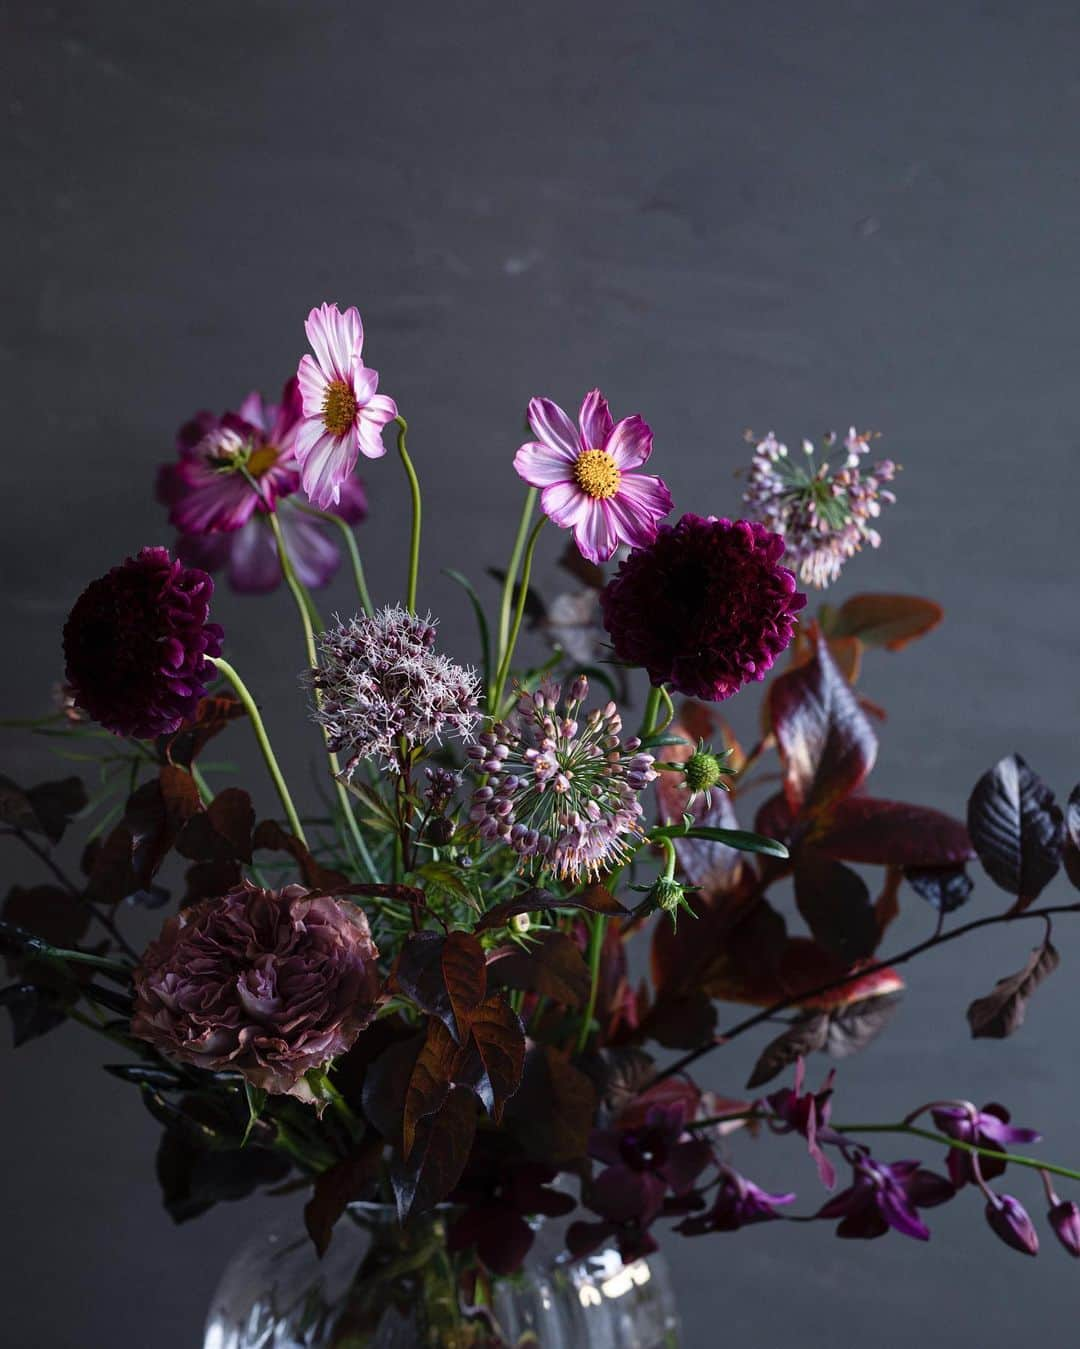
(727, 215)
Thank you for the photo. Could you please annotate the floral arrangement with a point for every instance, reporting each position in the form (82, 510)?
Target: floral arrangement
(423, 993)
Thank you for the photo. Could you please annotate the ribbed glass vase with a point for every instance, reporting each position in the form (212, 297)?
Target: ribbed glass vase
(379, 1287)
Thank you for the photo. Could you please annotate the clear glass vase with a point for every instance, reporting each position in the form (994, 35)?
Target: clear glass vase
(379, 1287)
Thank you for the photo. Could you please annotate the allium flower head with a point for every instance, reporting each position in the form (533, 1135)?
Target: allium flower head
(381, 679)
(588, 475)
(265, 983)
(824, 509)
(562, 788)
(137, 644)
(343, 416)
(234, 470)
(706, 607)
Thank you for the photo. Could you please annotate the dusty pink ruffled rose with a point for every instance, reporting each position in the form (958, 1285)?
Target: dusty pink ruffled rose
(266, 983)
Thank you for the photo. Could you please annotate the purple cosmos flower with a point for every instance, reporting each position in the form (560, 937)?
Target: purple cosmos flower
(739, 1203)
(885, 1196)
(137, 643)
(986, 1128)
(588, 475)
(343, 416)
(1008, 1219)
(1064, 1218)
(224, 517)
(806, 1113)
(706, 607)
(266, 983)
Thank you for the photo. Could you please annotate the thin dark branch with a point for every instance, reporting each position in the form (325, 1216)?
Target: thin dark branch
(798, 999)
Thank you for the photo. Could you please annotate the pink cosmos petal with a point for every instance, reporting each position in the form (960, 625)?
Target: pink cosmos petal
(364, 382)
(253, 410)
(595, 532)
(541, 465)
(369, 439)
(647, 496)
(308, 434)
(554, 428)
(282, 419)
(633, 526)
(314, 556)
(335, 338)
(379, 409)
(564, 503)
(253, 562)
(595, 421)
(630, 443)
(313, 384)
(327, 464)
(214, 501)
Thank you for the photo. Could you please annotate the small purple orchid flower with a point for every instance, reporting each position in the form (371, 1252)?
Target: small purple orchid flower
(739, 1202)
(588, 475)
(1008, 1219)
(644, 1163)
(987, 1128)
(807, 1113)
(887, 1195)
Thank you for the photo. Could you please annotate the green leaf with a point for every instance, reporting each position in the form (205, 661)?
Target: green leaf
(740, 839)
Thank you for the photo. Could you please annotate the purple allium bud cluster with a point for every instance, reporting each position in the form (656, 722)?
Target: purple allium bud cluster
(381, 681)
(562, 788)
(824, 510)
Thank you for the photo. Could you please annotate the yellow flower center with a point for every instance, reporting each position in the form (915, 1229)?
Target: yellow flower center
(262, 460)
(595, 473)
(339, 407)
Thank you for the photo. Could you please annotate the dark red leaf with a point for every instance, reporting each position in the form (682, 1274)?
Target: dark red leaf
(499, 1044)
(53, 914)
(419, 975)
(594, 898)
(1001, 1012)
(335, 1189)
(221, 832)
(211, 717)
(946, 888)
(110, 873)
(440, 1151)
(1072, 837)
(45, 809)
(804, 1036)
(465, 976)
(836, 904)
(892, 833)
(33, 1010)
(680, 1020)
(852, 1028)
(890, 621)
(155, 814)
(430, 1082)
(386, 1082)
(270, 836)
(551, 965)
(209, 880)
(825, 741)
(552, 1111)
(1017, 829)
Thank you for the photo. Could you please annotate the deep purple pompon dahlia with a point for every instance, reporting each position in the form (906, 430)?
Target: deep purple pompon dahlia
(137, 644)
(707, 607)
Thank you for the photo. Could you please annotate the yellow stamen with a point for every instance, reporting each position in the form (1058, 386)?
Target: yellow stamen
(339, 407)
(595, 473)
(262, 460)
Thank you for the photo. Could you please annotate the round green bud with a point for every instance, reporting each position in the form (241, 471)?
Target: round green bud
(703, 770)
(520, 923)
(668, 894)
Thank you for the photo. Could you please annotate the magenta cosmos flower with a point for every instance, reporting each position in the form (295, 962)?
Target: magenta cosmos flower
(266, 983)
(588, 478)
(343, 416)
(231, 472)
(137, 644)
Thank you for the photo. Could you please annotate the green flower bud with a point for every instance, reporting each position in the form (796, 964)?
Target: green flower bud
(703, 771)
(520, 924)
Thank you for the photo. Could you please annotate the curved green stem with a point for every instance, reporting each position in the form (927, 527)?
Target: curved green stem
(652, 712)
(519, 612)
(263, 739)
(596, 948)
(414, 487)
(353, 549)
(303, 601)
(511, 575)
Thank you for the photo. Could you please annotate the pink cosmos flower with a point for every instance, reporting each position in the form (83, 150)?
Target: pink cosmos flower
(343, 416)
(587, 473)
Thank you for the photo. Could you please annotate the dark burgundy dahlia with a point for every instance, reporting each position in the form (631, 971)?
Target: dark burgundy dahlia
(266, 983)
(137, 642)
(706, 607)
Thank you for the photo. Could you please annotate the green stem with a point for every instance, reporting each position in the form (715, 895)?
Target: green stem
(303, 609)
(257, 726)
(915, 1132)
(353, 549)
(652, 712)
(414, 487)
(596, 948)
(519, 611)
(670, 858)
(511, 575)
(205, 790)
